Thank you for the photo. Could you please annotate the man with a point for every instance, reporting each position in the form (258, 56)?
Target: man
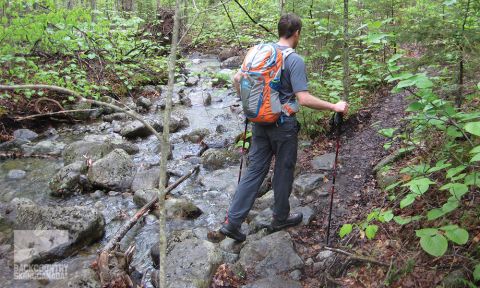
(278, 139)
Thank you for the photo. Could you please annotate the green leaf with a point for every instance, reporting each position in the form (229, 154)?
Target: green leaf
(456, 189)
(435, 245)
(345, 230)
(454, 171)
(435, 214)
(426, 232)
(451, 205)
(387, 132)
(405, 220)
(473, 128)
(473, 179)
(415, 106)
(371, 231)
(439, 166)
(458, 236)
(408, 200)
(419, 186)
(475, 158)
(475, 150)
(476, 271)
(387, 215)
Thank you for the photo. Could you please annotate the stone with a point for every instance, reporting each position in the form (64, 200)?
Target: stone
(136, 128)
(270, 255)
(192, 263)
(261, 220)
(147, 179)
(214, 159)
(128, 147)
(306, 183)
(50, 147)
(25, 134)
(220, 129)
(114, 171)
(324, 259)
(267, 200)
(185, 101)
(274, 282)
(324, 162)
(309, 262)
(181, 208)
(307, 214)
(84, 278)
(196, 135)
(178, 121)
(224, 180)
(16, 174)
(67, 181)
(230, 245)
(296, 275)
(233, 62)
(118, 116)
(208, 100)
(113, 193)
(82, 226)
(97, 194)
(83, 150)
(142, 197)
(144, 103)
(192, 81)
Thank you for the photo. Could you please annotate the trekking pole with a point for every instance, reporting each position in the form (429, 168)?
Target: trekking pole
(243, 150)
(337, 121)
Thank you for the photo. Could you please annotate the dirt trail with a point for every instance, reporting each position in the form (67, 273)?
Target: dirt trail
(361, 148)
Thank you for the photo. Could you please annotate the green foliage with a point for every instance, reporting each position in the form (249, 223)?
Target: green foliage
(434, 242)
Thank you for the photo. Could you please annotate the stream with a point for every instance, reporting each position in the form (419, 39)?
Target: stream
(210, 190)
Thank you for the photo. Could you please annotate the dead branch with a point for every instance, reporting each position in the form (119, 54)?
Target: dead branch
(357, 257)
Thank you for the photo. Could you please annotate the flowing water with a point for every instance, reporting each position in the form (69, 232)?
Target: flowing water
(212, 197)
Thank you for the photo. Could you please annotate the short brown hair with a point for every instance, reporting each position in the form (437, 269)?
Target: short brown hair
(288, 24)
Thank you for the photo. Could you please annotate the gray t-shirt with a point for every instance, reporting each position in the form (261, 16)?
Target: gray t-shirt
(294, 77)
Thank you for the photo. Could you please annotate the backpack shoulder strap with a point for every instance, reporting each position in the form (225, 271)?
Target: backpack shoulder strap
(285, 54)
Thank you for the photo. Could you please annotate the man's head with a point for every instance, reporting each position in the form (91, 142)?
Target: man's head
(289, 27)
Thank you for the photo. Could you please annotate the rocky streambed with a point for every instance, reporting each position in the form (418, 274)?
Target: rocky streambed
(89, 178)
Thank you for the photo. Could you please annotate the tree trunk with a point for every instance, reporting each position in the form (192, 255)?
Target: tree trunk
(346, 68)
(461, 46)
(166, 147)
(93, 6)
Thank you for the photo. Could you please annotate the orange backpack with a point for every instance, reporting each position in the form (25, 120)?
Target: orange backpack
(260, 82)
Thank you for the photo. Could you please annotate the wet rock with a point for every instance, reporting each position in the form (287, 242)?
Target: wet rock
(306, 183)
(127, 101)
(142, 197)
(128, 147)
(16, 174)
(12, 145)
(270, 255)
(25, 134)
(113, 193)
(261, 220)
(267, 200)
(147, 179)
(114, 171)
(196, 135)
(82, 150)
(81, 115)
(220, 129)
(50, 147)
(83, 226)
(179, 167)
(274, 281)
(218, 140)
(309, 262)
(215, 159)
(233, 62)
(227, 53)
(192, 263)
(144, 103)
(67, 181)
(97, 194)
(178, 121)
(186, 101)
(207, 101)
(192, 81)
(119, 116)
(136, 128)
(224, 180)
(323, 162)
(181, 208)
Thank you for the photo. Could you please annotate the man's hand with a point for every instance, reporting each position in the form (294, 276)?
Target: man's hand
(236, 81)
(341, 107)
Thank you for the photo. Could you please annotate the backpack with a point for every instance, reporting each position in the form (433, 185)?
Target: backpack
(260, 82)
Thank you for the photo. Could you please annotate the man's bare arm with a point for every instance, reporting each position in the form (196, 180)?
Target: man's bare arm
(236, 81)
(308, 100)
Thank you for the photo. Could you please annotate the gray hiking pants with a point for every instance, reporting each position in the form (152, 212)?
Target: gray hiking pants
(281, 141)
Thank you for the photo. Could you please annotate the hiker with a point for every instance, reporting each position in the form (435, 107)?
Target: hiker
(279, 139)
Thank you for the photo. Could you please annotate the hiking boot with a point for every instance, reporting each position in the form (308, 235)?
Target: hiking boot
(292, 220)
(233, 232)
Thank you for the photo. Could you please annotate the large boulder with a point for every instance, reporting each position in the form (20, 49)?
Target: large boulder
(75, 226)
(324, 162)
(270, 255)
(306, 183)
(196, 135)
(67, 181)
(214, 159)
(268, 199)
(50, 147)
(84, 278)
(114, 171)
(80, 150)
(147, 179)
(134, 129)
(174, 207)
(192, 263)
(233, 62)
(25, 134)
(224, 180)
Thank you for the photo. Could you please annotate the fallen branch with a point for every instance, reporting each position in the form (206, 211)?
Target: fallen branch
(357, 257)
(103, 259)
(52, 113)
